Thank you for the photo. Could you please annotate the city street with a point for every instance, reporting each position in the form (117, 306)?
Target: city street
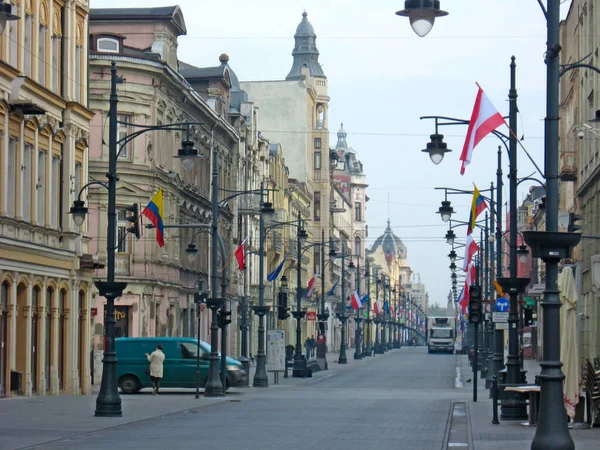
(403, 399)
(402, 396)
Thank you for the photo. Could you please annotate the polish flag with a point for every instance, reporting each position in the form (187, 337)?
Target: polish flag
(355, 298)
(239, 255)
(392, 313)
(484, 119)
(471, 248)
(377, 306)
(311, 285)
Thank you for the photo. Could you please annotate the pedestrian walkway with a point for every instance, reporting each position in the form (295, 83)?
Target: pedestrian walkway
(29, 421)
(509, 434)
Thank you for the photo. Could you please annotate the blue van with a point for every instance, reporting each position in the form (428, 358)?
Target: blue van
(179, 368)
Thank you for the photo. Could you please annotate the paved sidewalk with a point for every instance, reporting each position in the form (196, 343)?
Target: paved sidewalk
(509, 434)
(29, 421)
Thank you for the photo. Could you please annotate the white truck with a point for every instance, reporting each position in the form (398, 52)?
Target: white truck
(441, 334)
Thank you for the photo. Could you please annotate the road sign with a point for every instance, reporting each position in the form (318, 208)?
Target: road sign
(500, 317)
(311, 315)
(502, 304)
(501, 326)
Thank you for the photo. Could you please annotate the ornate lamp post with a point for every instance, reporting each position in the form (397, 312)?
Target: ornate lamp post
(357, 334)
(6, 15)
(108, 402)
(367, 331)
(551, 431)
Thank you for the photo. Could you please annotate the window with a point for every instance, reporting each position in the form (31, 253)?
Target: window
(358, 211)
(317, 206)
(12, 173)
(78, 51)
(317, 160)
(78, 176)
(108, 45)
(26, 167)
(28, 46)
(55, 190)
(42, 56)
(122, 225)
(317, 142)
(123, 131)
(41, 189)
(13, 42)
(56, 62)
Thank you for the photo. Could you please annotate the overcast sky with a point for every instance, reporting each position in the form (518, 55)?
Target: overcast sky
(382, 78)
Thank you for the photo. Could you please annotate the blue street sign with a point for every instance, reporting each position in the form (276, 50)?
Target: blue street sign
(502, 304)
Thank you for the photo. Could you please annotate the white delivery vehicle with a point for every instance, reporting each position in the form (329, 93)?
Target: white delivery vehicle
(441, 334)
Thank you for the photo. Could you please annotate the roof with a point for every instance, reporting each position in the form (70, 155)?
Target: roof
(305, 51)
(392, 245)
(164, 13)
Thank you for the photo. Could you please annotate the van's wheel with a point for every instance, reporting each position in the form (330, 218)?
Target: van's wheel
(129, 384)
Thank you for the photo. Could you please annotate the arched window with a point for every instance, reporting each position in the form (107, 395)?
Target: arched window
(56, 52)
(108, 45)
(43, 37)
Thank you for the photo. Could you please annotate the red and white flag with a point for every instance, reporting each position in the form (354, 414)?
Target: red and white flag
(239, 255)
(377, 306)
(484, 119)
(311, 285)
(392, 312)
(471, 248)
(355, 298)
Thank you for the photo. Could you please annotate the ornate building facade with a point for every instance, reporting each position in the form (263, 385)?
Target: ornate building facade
(45, 265)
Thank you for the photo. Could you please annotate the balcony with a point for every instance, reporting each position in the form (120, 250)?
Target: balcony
(122, 264)
(568, 166)
(275, 243)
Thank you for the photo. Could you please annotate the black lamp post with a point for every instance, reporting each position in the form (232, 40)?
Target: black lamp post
(357, 334)
(298, 370)
(323, 315)
(551, 431)
(367, 330)
(108, 402)
(343, 359)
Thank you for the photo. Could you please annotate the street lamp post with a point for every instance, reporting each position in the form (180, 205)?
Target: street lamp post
(377, 319)
(551, 431)
(357, 319)
(323, 315)
(299, 363)
(342, 316)
(108, 402)
(368, 320)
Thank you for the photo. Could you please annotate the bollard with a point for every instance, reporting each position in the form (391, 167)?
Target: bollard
(495, 420)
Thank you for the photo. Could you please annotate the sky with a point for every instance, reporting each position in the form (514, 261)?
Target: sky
(382, 79)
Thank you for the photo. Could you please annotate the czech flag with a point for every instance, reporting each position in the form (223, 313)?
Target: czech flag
(356, 303)
(154, 212)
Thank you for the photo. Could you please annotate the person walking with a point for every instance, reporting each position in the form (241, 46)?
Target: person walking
(307, 345)
(313, 346)
(156, 360)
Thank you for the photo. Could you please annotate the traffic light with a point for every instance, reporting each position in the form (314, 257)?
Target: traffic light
(573, 227)
(475, 304)
(282, 309)
(222, 318)
(134, 220)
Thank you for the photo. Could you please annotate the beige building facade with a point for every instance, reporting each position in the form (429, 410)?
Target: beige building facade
(45, 266)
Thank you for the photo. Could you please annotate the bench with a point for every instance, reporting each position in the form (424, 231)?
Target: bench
(533, 391)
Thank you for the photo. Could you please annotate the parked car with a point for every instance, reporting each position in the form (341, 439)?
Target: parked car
(179, 368)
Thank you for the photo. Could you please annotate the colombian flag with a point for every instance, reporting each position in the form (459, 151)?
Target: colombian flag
(154, 212)
(478, 205)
